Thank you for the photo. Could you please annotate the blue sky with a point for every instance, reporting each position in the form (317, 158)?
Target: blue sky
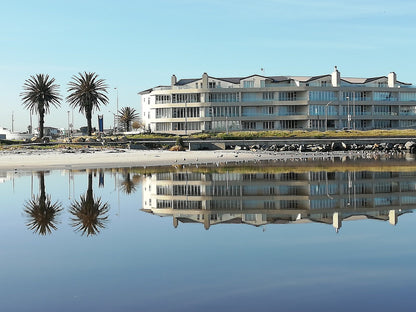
(135, 45)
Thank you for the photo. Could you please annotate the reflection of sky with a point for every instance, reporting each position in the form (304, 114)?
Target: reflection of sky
(140, 262)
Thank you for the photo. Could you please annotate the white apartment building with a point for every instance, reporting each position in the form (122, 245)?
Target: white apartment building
(257, 103)
(260, 198)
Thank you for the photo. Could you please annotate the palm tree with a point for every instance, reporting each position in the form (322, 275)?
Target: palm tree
(87, 92)
(89, 212)
(39, 93)
(41, 211)
(128, 186)
(126, 115)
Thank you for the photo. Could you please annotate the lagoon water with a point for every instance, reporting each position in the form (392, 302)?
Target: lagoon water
(316, 236)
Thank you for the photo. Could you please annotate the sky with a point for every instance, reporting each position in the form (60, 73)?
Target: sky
(136, 45)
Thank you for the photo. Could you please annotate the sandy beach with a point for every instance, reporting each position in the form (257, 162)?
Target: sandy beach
(118, 158)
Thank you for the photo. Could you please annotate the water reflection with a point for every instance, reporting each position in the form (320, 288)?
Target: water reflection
(89, 214)
(264, 197)
(128, 185)
(41, 212)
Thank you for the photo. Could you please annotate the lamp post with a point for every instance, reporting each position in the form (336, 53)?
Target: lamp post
(326, 115)
(348, 113)
(68, 124)
(116, 111)
(186, 118)
(353, 109)
(114, 120)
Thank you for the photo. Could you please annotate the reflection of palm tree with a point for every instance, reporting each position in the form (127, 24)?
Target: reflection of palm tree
(128, 186)
(41, 211)
(89, 212)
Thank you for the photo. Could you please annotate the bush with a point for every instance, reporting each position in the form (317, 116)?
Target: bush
(179, 142)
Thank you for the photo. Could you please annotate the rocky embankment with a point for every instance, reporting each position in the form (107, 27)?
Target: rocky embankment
(409, 146)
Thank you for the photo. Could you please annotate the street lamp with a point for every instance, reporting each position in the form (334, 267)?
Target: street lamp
(117, 109)
(68, 125)
(348, 113)
(114, 120)
(326, 115)
(186, 118)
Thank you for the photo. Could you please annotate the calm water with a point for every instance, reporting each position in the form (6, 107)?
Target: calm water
(294, 238)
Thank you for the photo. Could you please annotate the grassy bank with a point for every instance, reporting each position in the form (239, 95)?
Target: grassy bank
(247, 135)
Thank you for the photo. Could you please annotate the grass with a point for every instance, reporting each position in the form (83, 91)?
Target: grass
(249, 135)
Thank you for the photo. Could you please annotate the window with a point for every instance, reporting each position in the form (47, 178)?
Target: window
(248, 125)
(267, 96)
(289, 124)
(248, 84)
(268, 125)
(408, 96)
(224, 97)
(186, 97)
(382, 110)
(322, 96)
(163, 126)
(211, 85)
(222, 111)
(162, 99)
(163, 112)
(287, 96)
(382, 84)
(385, 96)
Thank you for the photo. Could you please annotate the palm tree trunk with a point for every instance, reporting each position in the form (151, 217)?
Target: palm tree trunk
(42, 187)
(89, 123)
(41, 123)
(89, 198)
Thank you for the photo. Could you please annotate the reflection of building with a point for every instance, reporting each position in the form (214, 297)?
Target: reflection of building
(263, 198)
(260, 102)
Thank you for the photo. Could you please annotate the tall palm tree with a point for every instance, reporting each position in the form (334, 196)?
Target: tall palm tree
(39, 93)
(41, 212)
(87, 92)
(89, 212)
(126, 115)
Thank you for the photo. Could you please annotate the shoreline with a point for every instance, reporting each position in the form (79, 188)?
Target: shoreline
(123, 158)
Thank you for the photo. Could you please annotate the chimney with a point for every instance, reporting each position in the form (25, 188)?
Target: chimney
(336, 77)
(173, 80)
(392, 79)
(205, 81)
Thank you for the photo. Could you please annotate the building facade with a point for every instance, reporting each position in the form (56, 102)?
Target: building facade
(260, 198)
(258, 103)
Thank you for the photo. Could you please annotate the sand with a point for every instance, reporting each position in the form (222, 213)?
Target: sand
(118, 158)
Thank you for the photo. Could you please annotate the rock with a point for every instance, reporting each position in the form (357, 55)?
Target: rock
(46, 139)
(122, 139)
(338, 146)
(409, 145)
(78, 140)
(389, 146)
